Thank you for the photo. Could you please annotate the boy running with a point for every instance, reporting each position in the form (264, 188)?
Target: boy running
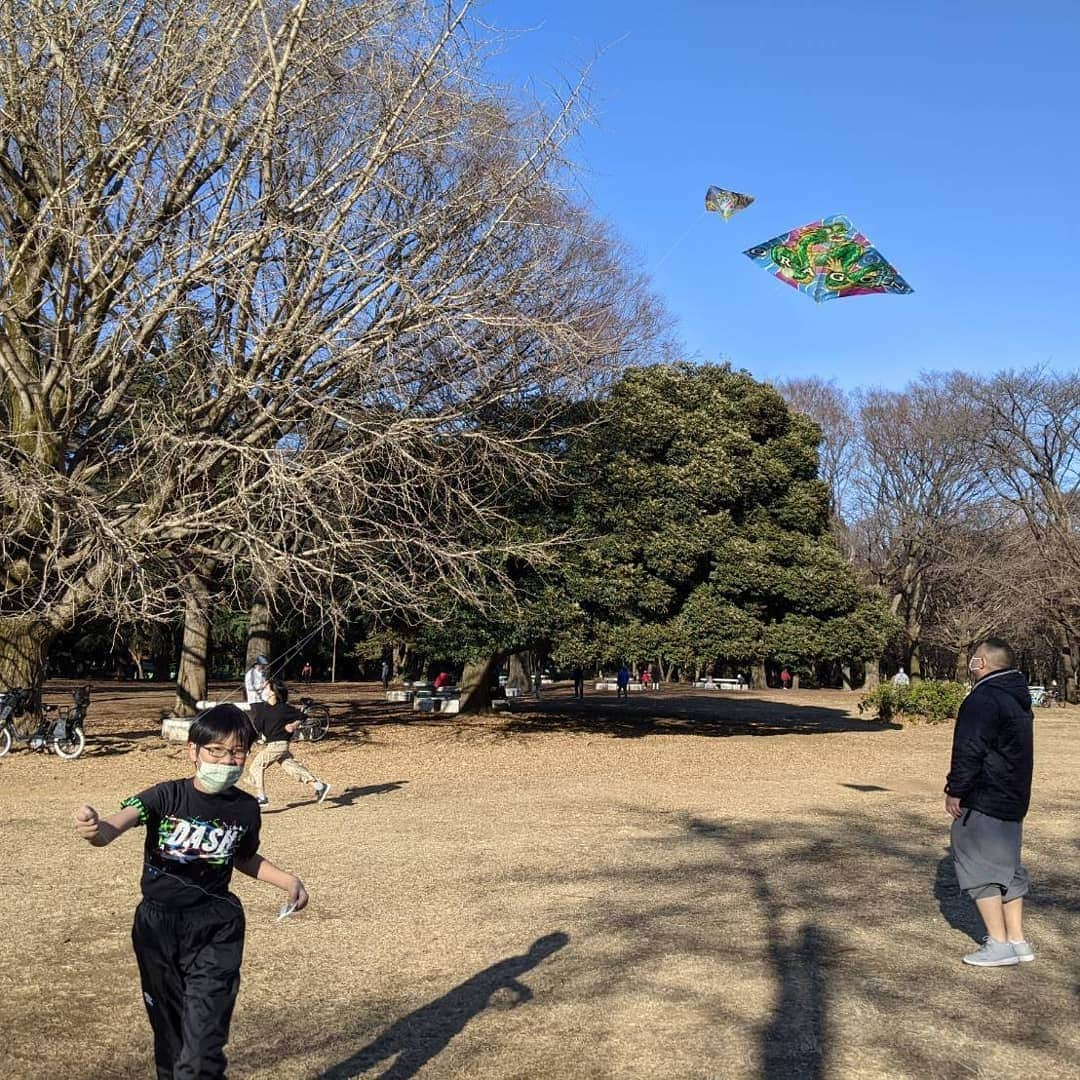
(276, 721)
(189, 929)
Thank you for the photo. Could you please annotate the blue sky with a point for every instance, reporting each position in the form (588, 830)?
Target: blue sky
(948, 131)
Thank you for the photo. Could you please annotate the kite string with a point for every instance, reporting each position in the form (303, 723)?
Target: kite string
(679, 239)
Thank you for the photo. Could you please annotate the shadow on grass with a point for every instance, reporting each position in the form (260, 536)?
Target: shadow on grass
(957, 910)
(674, 713)
(772, 949)
(349, 795)
(415, 1039)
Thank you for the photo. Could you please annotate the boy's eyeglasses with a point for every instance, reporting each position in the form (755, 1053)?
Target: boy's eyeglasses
(224, 753)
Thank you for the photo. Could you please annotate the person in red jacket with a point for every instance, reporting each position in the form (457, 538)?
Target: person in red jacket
(442, 679)
(785, 679)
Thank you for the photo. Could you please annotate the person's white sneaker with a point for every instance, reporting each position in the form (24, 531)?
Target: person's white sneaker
(321, 791)
(993, 954)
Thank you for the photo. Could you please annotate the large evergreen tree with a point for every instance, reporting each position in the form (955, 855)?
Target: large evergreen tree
(708, 530)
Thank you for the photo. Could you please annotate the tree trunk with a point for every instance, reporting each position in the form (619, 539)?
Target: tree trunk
(760, 676)
(260, 638)
(873, 674)
(476, 685)
(961, 672)
(1069, 669)
(795, 681)
(845, 676)
(399, 662)
(24, 645)
(195, 647)
(519, 672)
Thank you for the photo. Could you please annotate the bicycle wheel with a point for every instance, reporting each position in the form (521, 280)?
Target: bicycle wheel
(70, 746)
(5, 740)
(316, 722)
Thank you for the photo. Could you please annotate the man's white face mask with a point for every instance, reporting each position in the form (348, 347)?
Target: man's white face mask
(976, 664)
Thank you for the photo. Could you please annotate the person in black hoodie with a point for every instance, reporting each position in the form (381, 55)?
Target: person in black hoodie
(987, 793)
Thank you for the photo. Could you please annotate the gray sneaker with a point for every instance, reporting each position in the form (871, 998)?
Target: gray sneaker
(993, 954)
(1024, 952)
(321, 791)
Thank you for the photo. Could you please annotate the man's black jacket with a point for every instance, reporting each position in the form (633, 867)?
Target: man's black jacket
(270, 720)
(992, 748)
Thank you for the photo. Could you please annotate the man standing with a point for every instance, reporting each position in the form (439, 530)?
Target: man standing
(579, 681)
(901, 678)
(255, 681)
(987, 793)
(384, 674)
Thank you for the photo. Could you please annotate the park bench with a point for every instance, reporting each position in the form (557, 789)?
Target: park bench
(721, 684)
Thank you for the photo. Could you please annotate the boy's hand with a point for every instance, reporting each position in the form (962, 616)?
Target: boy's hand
(86, 822)
(298, 896)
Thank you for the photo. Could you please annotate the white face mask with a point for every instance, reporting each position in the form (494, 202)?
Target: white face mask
(216, 776)
(976, 664)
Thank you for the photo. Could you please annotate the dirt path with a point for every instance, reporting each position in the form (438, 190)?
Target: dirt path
(695, 886)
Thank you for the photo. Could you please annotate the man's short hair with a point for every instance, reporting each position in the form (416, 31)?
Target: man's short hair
(997, 651)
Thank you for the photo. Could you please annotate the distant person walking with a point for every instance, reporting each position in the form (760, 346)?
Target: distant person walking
(384, 674)
(255, 681)
(901, 678)
(307, 672)
(276, 721)
(785, 679)
(622, 682)
(442, 679)
(987, 793)
(579, 681)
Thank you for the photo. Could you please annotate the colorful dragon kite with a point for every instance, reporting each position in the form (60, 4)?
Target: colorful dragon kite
(829, 259)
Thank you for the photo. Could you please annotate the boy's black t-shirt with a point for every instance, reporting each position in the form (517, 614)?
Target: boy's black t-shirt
(270, 720)
(192, 839)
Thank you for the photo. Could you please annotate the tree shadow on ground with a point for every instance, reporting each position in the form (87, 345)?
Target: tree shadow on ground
(415, 1039)
(673, 713)
(766, 948)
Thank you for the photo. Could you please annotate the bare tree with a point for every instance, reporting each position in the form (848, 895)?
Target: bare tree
(1026, 437)
(917, 476)
(832, 409)
(264, 269)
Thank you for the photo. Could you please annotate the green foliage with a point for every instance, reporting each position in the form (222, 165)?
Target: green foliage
(929, 702)
(705, 529)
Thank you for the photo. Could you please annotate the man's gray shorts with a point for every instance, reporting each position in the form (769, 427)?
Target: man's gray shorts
(986, 854)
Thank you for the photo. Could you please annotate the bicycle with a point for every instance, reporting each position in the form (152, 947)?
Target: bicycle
(316, 721)
(64, 735)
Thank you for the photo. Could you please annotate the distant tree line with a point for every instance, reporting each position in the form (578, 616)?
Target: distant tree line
(958, 497)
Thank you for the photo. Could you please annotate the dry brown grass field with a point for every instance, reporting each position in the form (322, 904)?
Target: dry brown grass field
(691, 886)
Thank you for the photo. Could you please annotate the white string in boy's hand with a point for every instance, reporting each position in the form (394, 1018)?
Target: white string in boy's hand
(86, 822)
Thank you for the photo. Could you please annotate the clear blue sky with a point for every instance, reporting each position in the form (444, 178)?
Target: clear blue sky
(948, 130)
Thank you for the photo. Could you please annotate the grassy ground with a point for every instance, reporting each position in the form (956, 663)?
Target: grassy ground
(694, 885)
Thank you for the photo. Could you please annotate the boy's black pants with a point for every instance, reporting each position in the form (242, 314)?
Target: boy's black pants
(189, 966)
